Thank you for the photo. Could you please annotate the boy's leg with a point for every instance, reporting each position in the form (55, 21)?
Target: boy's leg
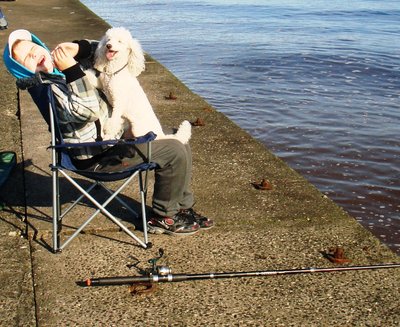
(172, 176)
(187, 200)
(173, 194)
(172, 189)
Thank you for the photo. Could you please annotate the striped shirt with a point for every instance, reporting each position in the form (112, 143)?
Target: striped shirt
(82, 112)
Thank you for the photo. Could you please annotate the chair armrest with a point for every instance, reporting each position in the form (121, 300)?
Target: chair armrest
(150, 136)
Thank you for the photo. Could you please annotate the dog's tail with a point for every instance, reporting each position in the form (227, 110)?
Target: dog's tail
(184, 132)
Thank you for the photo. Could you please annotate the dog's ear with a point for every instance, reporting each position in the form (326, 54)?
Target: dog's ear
(100, 60)
(136, 57)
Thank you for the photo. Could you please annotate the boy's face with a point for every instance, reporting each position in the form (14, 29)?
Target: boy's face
(33, 56)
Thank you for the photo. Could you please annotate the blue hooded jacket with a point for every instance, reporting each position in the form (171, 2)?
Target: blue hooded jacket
(15, 68)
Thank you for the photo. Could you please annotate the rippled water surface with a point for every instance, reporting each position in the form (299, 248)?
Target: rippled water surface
(316, 81)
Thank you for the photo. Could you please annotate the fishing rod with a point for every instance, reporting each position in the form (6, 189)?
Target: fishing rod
(169, 277)
(163, 274)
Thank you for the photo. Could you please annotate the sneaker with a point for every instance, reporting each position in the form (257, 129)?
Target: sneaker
(204, 222)
(176, 225)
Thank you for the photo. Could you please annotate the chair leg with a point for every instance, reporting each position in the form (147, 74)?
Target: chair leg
(88, 190)
(56, 210)
(143, 196)
(119, 200)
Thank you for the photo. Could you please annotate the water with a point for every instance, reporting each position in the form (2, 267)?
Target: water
(316, 81)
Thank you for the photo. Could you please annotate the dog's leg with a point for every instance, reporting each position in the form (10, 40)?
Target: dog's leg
(113, 127)
(115, 123)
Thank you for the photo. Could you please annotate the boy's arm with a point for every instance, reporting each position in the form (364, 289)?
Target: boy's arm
(79, 49)
(83, 102)
(72, 57)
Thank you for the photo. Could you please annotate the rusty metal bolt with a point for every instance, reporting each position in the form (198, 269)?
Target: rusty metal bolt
(198, 122)
(336, 255)
(263, 185)
(171, 96)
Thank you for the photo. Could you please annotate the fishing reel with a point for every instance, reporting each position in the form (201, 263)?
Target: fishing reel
(154, 271)
(158, 269)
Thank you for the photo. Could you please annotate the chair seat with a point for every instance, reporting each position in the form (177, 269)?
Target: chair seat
(66, 163)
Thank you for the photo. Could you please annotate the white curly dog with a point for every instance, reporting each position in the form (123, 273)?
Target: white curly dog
(119, 59)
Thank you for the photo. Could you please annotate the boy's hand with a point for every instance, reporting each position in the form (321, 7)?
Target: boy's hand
(64, 54)
(69, 47)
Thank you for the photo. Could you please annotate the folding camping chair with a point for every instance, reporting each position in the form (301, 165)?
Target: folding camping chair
(61, 164)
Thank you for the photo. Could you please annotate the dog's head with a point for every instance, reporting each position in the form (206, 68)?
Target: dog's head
(116, 48)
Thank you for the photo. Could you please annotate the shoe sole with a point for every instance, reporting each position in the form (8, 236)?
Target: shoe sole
(207, 227)
(159, 231)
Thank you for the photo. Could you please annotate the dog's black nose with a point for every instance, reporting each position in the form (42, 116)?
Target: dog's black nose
(108, 46)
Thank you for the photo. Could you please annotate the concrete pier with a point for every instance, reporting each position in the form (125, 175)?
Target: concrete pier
(286, 227)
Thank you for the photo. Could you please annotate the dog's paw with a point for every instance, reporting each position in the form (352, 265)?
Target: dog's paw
(93, 79)
(110, 132)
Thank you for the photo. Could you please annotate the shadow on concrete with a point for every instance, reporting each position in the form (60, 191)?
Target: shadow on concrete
(37, 217)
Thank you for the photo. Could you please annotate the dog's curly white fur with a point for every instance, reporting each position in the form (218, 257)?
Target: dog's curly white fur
(119, 58)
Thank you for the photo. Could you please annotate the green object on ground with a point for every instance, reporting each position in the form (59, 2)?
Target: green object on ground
(7, 163)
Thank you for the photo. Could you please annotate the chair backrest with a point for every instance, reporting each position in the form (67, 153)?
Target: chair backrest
(43, 97)
(40, 96)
